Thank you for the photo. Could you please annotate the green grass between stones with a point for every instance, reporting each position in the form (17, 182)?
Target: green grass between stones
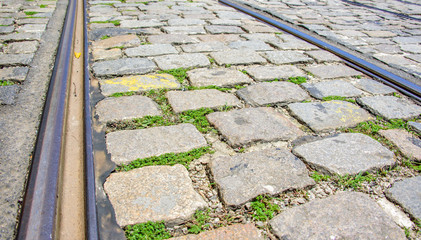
(115, 22)
(263, 209)
(29, 13)
(297, 80)
(6, 83)
(200, 222)
(330, 98)
(179, 73)
(147, 231)
(167, 159)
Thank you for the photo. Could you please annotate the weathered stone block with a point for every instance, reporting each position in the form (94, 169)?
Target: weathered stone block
(390, 107)
(188, 60)
(223, 77)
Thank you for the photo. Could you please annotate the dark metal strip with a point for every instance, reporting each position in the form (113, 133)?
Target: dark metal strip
(387, 77)
(38, 218)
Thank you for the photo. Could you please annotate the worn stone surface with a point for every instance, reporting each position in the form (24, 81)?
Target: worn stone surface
(13, 73)
(267, 73)
(123, 66)
(103, 54)
(8, 94)
(254, 45)
(416, 126)
(218, 29)
(138, 83)
(223, 77)
(283, 57)
(347, 215)
(204, 47)
(207, 98)
(237, 231)
(346, 153)
(126, 146)
(96, 34)
(390, 107)
(150, 50)
(407, 194)
(327, 116)
(185, 22)
(15, 59)
(154, 193)
(236, 57)
(373, 87)
(188, 60)
(248, 125)
(117, 41)
(219, 38)
(243, 177)
(332, 71)
(184, 30)
(140, 24)
(124, 108)
(332, 88)
(395, 213)
(172, 39)
(272, 93)
(22, 47)
(407, 143)
(323, 56)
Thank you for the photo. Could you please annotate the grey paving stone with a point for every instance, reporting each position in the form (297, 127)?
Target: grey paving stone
(204, 47)
(184, 30)
(8, 94)
(231, 15)
(22, 47)
(346, 153)
(172, 39)
(332, 88)
(96, 34)
(407, 40)
(103, 54)
(327, 116)
(411, 48)
(222, 77)
(243, 177)
(332, 71)
(140, 24)
(219, 38)
(6, 21)
(16, 59)
(6, 29)
(21, 36)
(346, 215)
(323, 56)
(126, 146)
(204, 16)
(373, 87)
(181, 101)
(407, 143)
(125, 108)
(218, 29)
(236, 57)
(32, 28)
(293, 45)
(235, 231)
(129, 40)
(13, 73)
(267, 73)
(265, 93)
(226, 22)
(257, 28)
(265, 37)
(382, 34)
(407, 194)
(153, 193)
(248, 125)
(390, 107)
(250, 45)
(415, 57)
(416, 126)
(138, 83)
(393, 59)
(150, 50)
(283, 57)
(188, 60)
(185, 22)
(123, 66)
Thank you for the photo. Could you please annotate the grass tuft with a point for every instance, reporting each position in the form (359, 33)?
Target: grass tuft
(200, 222)
(28, 13)
(263, 209)
(297, 80)
(6, 83)
(179, 73)
(319, 177)
(330, 98)
(147, 231)
(198, 119)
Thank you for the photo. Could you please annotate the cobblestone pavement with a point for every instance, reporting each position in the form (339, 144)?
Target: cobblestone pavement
(28, 41)
(218, 123)
(384, 36)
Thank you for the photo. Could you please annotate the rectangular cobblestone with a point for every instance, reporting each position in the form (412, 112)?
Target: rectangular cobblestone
(267, 73)
(172, 39)
(283, 57)
(189, 30)
(123, 66)
(204, 47)
(219, 29)
(237, 57)
(223, 77)
(188, 60)
(332, 71)
(150, 50)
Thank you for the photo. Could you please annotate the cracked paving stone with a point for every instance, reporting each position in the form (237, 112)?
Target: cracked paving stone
(153, 193)
(204, 47)
(125, 108)
(250, 45)
(345, 153)
(283, 57)
(237, 57)
(14, 73)
(172, 39)
(181, 101)
(8, 94)
(138, 83)
(124, 66)
(332, 88)
(188, 60)
(407, 194)
(346, 215)
(129, 145)
(407, 143)
(391, 107)
(222, 77)
(248, 125)
(219, 29)
(265, 93)
(150, 50)
(15, 59)
(117, 41)
(267, 73)
(236, 231)
(332, 71)
(372, 86)
(243, 177)
(327, 116)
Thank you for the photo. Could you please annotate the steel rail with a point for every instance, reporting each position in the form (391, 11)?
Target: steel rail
(406, 87)
(38, 218)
